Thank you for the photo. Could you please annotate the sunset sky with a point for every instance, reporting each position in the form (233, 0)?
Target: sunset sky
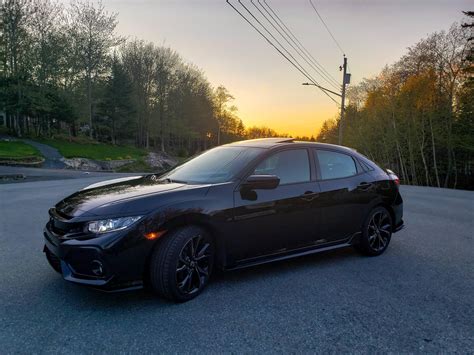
(268, 89)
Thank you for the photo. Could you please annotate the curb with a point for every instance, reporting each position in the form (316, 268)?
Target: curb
(12, 177)
(11, 162)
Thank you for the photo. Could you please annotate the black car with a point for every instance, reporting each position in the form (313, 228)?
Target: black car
(233, 206)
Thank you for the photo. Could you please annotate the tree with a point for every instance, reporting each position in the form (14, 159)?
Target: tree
(166, 64)
(92, 31)
(416, 116)
(16, 43)
(138, 59)
(116, 107)
(221, 98)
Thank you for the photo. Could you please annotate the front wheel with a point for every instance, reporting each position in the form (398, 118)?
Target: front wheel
(182, 263)
(376, 232)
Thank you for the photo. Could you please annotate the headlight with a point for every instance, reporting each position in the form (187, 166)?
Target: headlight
(110, 225)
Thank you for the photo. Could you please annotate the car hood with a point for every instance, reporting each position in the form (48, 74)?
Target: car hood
(123, 196)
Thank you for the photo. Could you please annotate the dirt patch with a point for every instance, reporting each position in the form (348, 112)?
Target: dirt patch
(95, 165)
(160, 161)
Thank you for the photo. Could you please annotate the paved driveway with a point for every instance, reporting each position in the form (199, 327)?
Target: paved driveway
(52, 157)
(418, 296)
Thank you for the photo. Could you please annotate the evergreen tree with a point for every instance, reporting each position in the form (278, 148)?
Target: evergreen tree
(116, 108)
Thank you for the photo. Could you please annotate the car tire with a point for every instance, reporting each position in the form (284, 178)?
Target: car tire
(376, 232)
(181, 263)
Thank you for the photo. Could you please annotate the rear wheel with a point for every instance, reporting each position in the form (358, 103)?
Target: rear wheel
(376, 232)
(182, 263)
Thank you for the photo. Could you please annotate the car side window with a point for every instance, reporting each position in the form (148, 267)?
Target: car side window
(334, 165)
(291, 166)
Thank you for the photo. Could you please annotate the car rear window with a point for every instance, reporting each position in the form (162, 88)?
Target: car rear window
(333, 165)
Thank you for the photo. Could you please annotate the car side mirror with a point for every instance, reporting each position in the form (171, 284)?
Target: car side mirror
(263, 182)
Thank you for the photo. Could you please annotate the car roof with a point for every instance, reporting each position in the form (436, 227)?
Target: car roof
(276, 142)
(262, 142)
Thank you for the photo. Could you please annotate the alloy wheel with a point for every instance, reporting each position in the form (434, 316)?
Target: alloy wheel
(379, 230)
(193, 269)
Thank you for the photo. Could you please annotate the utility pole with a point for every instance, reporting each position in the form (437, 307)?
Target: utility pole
(346, 78)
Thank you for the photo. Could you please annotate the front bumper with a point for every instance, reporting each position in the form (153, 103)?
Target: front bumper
(113, 262)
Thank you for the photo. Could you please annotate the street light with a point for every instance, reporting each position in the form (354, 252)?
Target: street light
(323, 88)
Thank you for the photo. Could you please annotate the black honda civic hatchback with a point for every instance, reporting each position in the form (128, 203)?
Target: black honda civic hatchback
(233, 206)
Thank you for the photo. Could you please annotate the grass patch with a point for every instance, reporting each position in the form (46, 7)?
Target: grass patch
(96, 151)
(17, 150)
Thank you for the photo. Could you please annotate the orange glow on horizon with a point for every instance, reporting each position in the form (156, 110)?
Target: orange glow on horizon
(292, 122)
(298, 112)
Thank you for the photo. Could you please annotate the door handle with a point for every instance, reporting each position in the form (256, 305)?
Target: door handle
(365, 185)
(309, 196)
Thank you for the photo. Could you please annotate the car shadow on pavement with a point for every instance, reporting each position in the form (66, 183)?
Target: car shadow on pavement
(87, 298)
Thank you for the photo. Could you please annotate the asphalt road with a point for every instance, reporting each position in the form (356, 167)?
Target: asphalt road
(417, 297)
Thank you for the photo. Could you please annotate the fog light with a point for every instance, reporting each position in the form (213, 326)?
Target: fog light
(97, 268)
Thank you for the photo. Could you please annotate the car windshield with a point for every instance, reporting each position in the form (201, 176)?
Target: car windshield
(217, 165)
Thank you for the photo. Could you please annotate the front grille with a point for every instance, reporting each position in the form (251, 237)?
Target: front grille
(61, 214)
(60, 227)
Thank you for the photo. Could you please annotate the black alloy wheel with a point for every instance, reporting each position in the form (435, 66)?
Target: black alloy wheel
(193, 267)
(182, 263)
(376, 233)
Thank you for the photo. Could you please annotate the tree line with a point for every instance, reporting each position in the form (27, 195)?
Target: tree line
(65, 69)
(417, 116)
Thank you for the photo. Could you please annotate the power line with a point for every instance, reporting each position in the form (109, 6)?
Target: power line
(296, 49)
(297, 66)
(276, 40)
(295, 40)
(327, 28)
(286, 40)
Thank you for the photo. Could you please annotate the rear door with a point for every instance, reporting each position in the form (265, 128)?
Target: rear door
(270, 221)
(346, 191)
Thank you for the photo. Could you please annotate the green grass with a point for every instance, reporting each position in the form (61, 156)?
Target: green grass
(94, 151)
(17, 150)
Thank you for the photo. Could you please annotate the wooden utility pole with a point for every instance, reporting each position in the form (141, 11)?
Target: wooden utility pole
(345, 80)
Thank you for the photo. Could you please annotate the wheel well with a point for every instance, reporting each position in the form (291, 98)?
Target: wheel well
(389, 209)
(199, 220)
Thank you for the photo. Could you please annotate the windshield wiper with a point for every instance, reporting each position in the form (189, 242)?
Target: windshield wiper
(170, 181)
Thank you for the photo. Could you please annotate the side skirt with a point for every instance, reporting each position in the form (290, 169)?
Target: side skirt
(265, 259)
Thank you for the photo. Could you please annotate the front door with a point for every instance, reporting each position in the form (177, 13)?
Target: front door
(277, 220)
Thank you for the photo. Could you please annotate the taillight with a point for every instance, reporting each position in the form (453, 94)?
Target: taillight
(393, 177)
